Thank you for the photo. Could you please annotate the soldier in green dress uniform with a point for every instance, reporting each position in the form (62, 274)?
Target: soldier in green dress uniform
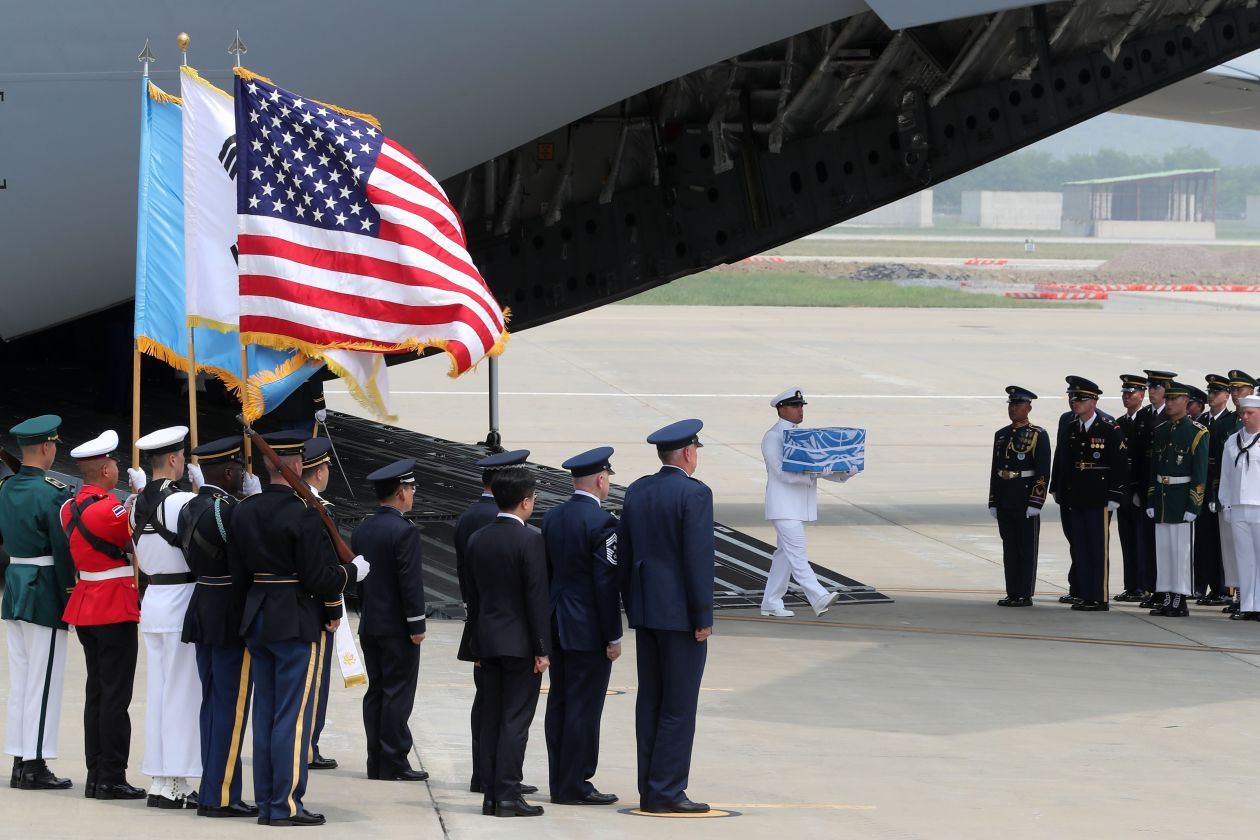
(37, 586)
(1178, 479)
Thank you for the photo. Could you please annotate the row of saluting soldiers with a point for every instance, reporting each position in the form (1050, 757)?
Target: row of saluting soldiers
(244, 597)
(1175, 473)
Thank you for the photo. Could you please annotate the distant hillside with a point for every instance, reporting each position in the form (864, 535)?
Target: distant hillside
(1155, 138)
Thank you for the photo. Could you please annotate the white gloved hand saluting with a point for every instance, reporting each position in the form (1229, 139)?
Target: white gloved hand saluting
(136, 479)
(1032, 512)
(1113, 506)
(1190, 517)
(361, 566)
(993, 512)
(196, 476)
(250, 485)
(321, 415)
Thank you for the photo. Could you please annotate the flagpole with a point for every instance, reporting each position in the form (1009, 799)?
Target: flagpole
(192, 392)
(248, 443)
(135, 403)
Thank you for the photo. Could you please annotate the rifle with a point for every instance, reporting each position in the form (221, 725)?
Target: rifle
(10, 461)
(344, 554)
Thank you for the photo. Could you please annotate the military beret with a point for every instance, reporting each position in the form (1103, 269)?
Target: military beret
(677, 435)
(170, 439)
(1016, 394)
(219, 451)
(590, 462)
(98, 447)
(315, 452)
(792, 396)
(41, 429)
(499, 460)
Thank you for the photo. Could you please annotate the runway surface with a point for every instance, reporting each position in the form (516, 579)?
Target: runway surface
(939, 716)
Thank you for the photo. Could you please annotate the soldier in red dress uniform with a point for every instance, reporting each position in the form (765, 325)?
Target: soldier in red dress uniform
(105, 609)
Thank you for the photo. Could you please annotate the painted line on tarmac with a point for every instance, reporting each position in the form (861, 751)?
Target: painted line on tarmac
(994, 634)
(802, 806)
(621, 394)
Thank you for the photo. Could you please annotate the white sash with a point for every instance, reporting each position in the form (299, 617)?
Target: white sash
(348, 658)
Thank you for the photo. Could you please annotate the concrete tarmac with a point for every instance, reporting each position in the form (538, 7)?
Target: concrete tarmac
(939, 716)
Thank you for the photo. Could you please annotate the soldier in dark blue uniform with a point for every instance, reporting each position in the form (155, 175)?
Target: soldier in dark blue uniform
(1152, 416)
(475, 517)
(213, 624)
(1017, 491)
(665, 553)
(296, 594)
(391, 622)
(1209, 572)
(1090, 474)
(1066, 419)
(1131, 518)
(316, 457)
(581, 540)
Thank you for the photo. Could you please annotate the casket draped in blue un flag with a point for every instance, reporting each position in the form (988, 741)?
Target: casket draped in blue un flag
(837, 448)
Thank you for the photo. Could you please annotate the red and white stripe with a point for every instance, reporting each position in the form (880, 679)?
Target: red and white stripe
(411, 283)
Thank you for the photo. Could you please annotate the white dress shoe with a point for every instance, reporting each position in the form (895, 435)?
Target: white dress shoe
(779, 613)
(825, 603)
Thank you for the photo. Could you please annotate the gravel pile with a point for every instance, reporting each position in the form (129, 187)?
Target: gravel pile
(908, 274)
(1186, 263)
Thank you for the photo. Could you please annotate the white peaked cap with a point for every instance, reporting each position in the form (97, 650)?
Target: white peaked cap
(786, 395)
(106, 443)
(167, 438)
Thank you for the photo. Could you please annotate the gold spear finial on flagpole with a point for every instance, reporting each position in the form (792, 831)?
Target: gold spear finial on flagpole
(146, 57)
(183, 40)
(237, 48)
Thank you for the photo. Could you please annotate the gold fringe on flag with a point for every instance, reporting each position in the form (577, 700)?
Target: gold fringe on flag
(367, 118)
(159, 95)
(253, 402)
(192, 74)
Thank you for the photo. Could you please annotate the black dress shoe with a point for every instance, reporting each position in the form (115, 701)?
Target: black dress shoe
(1159, 611)
(408, 775)
(527, 789)
(1007, 601)
(474, 787)
(236, 809)
(682, 806)
(1217, 600)
(517, 808)
(1243, 615)
(89, 790)
(1022, 602)
(1177, 612)
(1092, 606)
(151, 800)
(1070, 599)
(1232, 608)
(487, 808)
(37, 776)
(118, 790)
(592, 798)
(302, 817)
(15, 780)
(322, 763)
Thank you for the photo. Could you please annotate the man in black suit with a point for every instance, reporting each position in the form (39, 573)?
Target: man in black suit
(508, 608)
(581, 540)
(1131, 517)
(475, 517)
(391, 624)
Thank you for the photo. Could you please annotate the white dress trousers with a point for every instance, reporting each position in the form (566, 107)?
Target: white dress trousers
(1173, 559)
(30, 711)
(1239, 496)
(1245, 523)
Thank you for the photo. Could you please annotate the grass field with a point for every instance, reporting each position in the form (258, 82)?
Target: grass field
(723, 287)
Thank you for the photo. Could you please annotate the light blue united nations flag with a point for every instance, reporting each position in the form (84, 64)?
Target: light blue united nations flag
(838, 448)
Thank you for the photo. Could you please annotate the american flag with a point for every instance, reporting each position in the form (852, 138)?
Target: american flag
(345, 239)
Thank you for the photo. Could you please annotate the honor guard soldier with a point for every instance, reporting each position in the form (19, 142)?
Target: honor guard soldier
(791, 501)
(581, 540)
(1178, 477)
(1090, 474)
(104, 610)
(37, 586)
(1196, 401)
(212, 624)
(172, 743)
(1241, 385)
(508, 610)
(1066, 421)
(1209, 574)
(391, 621)
(316, 457)
(1240, 496)
(296, 595)
(665, 553)
(1017, 491)
(475, 517)
(1131, 517)
(1152, 416)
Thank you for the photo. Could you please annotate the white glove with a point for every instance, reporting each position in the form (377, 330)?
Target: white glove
(1137, 500)
(1150, 513)
(1032, 512)
(1211, 507)
(136, 479)
(993, 512)
(321, 415)
(826, 470)
(195, 476)
(361, 566)
(1190, 517)
(1113, 506)
(250, 485)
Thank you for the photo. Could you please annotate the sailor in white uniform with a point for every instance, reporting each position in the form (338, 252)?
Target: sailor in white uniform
(172, 737)
(791, 501)
(1239, 501)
